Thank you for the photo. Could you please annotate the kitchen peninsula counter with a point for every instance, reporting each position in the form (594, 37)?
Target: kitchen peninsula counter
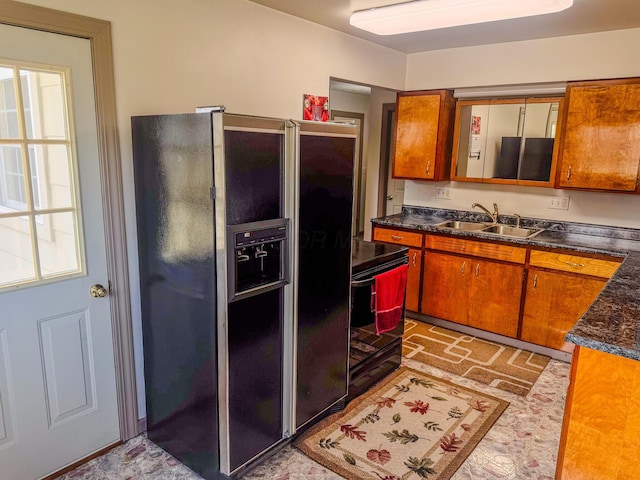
(612, 323)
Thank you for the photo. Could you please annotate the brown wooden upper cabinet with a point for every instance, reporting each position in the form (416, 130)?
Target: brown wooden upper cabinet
(507, 141)
(600, 149)
(424, 129)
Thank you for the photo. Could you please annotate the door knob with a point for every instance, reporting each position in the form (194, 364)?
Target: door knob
(389, 197)
(98, 291)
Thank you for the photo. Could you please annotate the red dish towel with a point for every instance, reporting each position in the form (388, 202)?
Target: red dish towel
(387, 298)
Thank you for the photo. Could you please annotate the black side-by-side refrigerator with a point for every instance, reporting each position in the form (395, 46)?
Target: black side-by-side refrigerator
(244, 253)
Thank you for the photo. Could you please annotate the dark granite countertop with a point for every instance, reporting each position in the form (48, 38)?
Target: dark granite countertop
(612, 323)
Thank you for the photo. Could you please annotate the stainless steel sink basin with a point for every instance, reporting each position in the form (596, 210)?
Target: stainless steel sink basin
(495, 229)
(508, 231)
(459, 225)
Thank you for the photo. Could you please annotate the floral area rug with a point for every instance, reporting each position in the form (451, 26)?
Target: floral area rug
(409, 426)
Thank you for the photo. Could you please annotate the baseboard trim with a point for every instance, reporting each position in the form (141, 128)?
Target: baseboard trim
(82, 461)
(142, 425)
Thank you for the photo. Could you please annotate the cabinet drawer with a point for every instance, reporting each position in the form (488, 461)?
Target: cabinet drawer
(494, 251)
(401, 237)
(574, 263)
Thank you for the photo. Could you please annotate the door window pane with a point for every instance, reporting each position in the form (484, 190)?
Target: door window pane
(44, 105)
(51, 176)
(16, 254)
(40, 236)
(8, 105)
(57, 244)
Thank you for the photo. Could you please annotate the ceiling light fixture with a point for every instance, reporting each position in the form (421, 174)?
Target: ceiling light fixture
(433, 14)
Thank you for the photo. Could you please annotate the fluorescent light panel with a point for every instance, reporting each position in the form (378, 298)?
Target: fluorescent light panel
(433, 14)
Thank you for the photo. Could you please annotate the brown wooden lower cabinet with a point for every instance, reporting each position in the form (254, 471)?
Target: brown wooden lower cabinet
(496, 291)
(601, 428)
(413, 280)
(554, 302)
(471, 291)
(445, 290)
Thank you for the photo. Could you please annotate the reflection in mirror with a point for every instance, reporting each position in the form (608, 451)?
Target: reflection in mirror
(506, 140)
(472, 142)
(506, 123)
(539, 134)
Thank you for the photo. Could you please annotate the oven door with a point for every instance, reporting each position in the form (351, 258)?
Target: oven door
(367, 350)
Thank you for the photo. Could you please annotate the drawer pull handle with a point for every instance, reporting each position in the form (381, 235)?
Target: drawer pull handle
(569, 173)
(414, 258)
(428, 166)
(464, 264)
(575, 265)
(396, 237)
(477, 269)
(535, 281)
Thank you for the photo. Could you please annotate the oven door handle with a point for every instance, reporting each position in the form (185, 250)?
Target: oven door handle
(362, 283)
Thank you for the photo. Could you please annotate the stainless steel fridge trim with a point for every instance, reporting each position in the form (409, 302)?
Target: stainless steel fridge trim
(220, 220)
(274, 446)
(319, 134)
(249, 129)
(327, 128)
(253, 123)
(319, 414)
(292, 180)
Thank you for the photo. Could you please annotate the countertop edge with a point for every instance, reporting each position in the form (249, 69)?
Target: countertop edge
(610, 309)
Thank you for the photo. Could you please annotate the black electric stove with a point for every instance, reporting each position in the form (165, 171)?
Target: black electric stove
(371, 356)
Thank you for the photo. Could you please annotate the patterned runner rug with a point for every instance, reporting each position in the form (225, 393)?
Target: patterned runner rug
(410, 426)
(507, 368)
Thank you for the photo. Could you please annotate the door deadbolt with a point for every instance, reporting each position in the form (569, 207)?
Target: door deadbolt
(98, 291)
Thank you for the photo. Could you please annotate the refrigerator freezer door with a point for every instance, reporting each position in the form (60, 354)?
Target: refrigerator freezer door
(324, 221)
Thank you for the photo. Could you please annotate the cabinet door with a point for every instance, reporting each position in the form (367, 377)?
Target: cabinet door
(413, 279)
(446, 286)
(601, 145)
(423, 134)
(554, 302)
(495, 294)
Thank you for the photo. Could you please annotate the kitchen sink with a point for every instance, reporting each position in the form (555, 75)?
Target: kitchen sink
(497, 229)
(459, 225)
(508, 231)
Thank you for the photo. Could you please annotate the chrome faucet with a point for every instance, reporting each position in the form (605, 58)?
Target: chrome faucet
(518, 220)
(494, 215)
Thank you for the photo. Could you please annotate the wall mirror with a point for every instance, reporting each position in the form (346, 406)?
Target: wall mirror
(508, 141)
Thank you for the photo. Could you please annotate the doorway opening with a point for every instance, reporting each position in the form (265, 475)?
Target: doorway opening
(363, 104)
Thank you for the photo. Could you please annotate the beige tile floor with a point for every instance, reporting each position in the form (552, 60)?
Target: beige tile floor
(522, 444)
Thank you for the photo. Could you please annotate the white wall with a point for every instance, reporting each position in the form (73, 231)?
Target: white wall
(580, 57)
(356, 103)
(172, 56)
(378, 98)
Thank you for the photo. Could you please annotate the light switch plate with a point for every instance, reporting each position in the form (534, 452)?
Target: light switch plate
(443, 193)
(559, 202)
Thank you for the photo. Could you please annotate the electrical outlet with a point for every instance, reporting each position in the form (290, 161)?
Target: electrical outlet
(444, 193)
(559, 203)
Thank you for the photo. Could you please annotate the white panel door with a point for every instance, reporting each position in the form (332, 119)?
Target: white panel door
(58, 400)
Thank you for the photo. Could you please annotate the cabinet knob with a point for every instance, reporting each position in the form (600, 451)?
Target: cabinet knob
(477, 269)
(396, 237)
(535, 281)
(569, 173)
(414, 258)
(464, 264)
(428, 166)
